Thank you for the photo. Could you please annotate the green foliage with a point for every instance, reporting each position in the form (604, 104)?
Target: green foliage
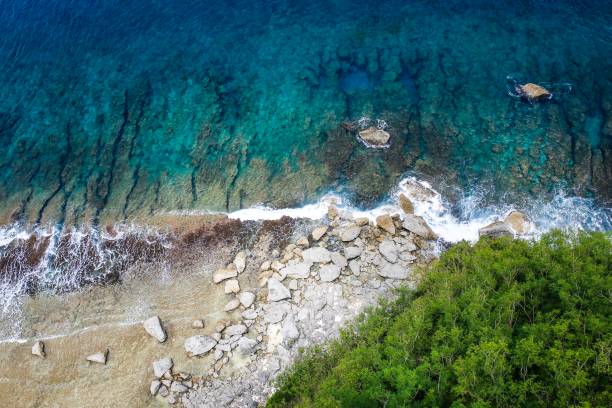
(502, 323)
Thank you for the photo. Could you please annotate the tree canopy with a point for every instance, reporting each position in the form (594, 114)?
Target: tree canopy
(502, 323)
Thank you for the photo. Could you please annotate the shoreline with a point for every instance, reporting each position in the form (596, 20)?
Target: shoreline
(179, 288)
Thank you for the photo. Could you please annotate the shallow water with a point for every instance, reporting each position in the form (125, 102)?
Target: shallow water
(112, 110)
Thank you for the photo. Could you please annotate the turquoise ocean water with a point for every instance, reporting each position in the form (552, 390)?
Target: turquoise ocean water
(112, 111)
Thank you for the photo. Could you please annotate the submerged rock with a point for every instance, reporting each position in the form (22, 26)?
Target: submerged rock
(99, 357)
(38, 349)
(375, 137)
(496, 229)
(162, 366)
(199, 345)
(534, 92)
(153, 327)
(417, 225)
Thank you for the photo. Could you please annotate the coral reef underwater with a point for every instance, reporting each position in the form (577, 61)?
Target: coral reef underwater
(117, 109)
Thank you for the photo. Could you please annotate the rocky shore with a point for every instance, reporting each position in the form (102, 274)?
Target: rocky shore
(260, 298)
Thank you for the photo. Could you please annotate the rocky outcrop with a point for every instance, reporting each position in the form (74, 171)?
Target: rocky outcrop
(417, 225)
(534, 92)
(374, 137)
(385, 222)
(518, 222)
(496, 229)
(405, 204)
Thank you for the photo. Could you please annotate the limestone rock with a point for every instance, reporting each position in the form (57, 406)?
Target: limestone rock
(302, 242)
(352, 252)
(162, 366)
(349, 233)
(246, 299)
(300, 270)
(198, 324)
(290, 330)
(154, 328)
(518, 222)
(496, 229)
(362, 221)
(389, 250)
(385, 222)
(417, 225)
(155, 384)
(374, 137)
(405, 204)
(38, 349)
(316, 254)
(393, 271)
(225, 273)
(178, 387)
(232, 286)
(332, 212)
(246, 346)
(99, 357)
(355, 267)
(240, 261)
(249, 314)
(232, 304)
(318, 232)
(535, 92)
(277, 291)
(199, 345)
(329, 273)
(235, 329)
(338, 260)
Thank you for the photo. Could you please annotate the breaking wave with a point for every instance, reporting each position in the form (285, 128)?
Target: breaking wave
(458, 221)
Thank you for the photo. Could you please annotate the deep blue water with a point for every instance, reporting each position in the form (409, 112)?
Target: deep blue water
(122, 108)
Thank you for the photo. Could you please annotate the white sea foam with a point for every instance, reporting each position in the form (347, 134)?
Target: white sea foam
(562, 212)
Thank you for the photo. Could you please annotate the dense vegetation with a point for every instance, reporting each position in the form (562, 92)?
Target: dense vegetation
(497, 324)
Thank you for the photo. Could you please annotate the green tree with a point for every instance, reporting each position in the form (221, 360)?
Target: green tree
(502, 323)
